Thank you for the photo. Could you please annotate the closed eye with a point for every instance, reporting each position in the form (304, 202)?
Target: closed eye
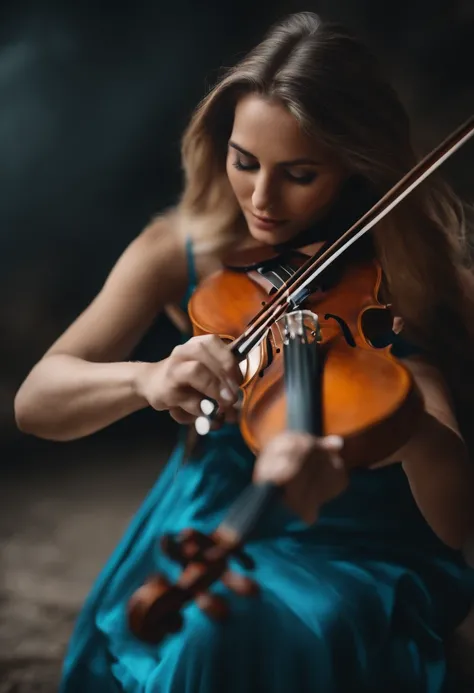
(240, 166)
(301, 178)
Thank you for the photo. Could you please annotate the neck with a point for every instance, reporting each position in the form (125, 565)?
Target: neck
(312, 248)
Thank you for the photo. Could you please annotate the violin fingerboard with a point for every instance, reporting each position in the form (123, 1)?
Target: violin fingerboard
(302, 371)
(245, 513)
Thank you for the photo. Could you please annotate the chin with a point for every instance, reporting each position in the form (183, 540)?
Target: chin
(265, 237)
(272, 237)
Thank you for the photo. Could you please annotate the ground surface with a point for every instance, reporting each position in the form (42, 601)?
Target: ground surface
(60, 518)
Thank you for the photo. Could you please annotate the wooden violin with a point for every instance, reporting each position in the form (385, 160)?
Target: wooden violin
(369, 398)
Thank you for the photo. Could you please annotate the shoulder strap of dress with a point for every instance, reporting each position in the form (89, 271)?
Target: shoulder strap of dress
(192, 274)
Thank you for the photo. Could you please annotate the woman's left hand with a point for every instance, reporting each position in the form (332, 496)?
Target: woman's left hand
(309, 469)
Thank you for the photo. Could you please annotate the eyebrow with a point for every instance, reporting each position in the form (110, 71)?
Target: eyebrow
(294, 162)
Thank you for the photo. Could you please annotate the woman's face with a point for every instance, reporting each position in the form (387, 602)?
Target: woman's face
(283, 180)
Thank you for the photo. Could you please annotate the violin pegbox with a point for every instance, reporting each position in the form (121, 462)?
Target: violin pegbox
(201, 555)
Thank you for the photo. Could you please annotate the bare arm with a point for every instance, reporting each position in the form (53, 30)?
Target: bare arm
(436, 462)
(83, 382)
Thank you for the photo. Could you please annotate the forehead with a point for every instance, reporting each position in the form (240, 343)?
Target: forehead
(268, 130)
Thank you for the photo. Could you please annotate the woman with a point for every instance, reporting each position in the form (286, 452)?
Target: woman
(292, 144)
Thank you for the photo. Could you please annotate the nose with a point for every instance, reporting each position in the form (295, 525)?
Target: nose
(263, 194)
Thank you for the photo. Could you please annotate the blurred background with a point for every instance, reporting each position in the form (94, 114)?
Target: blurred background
(93, 101)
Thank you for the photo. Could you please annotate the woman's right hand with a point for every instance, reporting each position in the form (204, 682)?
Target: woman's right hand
(202, 367)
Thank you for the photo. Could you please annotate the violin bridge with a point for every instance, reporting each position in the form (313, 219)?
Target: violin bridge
(301, 325)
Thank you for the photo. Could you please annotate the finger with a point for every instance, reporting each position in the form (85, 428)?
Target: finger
(222, 353)
(189, 400)
(284, 457)
(181, 416)
(291, 443)
(197, 376)
(310, 450)
(196, 351)
(331, 442)
(216, 355)
(281, 465)
(303, 443)
(334, 444)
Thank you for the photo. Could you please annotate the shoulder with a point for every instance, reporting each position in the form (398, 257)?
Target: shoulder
(434, 389)
(155, 258)
(427, 376)
(149, 273)
(160, 241)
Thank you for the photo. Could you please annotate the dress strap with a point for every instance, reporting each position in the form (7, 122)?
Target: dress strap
(192, 274)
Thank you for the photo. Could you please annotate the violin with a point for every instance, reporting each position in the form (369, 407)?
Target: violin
(352, 319)
(347, 383)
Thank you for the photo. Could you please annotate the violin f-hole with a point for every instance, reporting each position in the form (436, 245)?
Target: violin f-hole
(269, 351)
(344, 328)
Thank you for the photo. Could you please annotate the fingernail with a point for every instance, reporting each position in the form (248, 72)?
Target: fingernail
(337, 462)
(226, 394)
(333, 442)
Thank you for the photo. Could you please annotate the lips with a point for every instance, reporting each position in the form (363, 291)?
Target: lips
(266, 223)
(268, 220)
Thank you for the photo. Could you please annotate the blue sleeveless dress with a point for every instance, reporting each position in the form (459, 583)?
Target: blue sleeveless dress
(359, 602)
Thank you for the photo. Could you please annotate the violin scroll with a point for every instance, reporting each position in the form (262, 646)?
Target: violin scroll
(154, 610)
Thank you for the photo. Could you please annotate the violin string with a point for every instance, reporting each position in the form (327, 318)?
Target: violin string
(251, 503)
(298, 356)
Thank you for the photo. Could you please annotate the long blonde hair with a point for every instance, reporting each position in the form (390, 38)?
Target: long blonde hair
(332, 85)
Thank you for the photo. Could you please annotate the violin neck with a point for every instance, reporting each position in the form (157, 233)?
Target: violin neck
(302, 373)
(246, 511)
(302, 369)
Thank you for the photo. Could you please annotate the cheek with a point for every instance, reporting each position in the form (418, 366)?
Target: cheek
(232, 175)
(240, 182)
(316, 198)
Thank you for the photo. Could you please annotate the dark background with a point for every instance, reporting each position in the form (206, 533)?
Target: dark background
(93, 101)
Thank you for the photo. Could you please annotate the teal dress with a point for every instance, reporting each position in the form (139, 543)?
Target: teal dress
(359, 602)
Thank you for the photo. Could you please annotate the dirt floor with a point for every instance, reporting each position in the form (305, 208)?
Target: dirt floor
(60, 518)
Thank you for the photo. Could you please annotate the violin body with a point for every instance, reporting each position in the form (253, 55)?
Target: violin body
(368, 397)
